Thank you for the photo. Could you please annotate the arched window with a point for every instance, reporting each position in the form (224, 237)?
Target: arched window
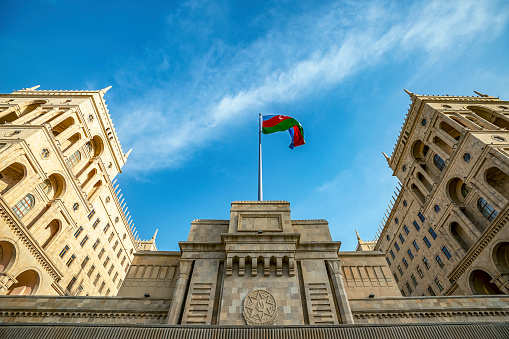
(88, 145)
(453, 132)
(443, 145)
(46, 186)
(498, 180)
(24, 205)
(461, 236)
(439, 162)
(74, 158)
(480, 283)
(486, 209)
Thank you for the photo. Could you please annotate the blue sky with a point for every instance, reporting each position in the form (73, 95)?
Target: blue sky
(189, 79)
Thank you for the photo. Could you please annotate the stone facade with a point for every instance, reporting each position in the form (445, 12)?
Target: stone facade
(446, 233)
(63, 230)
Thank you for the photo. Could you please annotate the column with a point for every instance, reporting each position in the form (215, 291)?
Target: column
(180, 291)
(60, 118)
(77, 145)
(45, 117)
(67, 133)
(490, 194)
(339, 291)
(445, 137)
(438, 151)
(25, 118)
(474, 232)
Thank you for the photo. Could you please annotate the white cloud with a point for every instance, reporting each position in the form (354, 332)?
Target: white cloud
(313, 52)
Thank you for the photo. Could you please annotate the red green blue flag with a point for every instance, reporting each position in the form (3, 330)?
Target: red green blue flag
(279, 123)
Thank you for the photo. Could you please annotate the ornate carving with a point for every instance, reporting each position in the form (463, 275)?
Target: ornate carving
(260, 308)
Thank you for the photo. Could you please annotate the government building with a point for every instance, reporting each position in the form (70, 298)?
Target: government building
(258, 274)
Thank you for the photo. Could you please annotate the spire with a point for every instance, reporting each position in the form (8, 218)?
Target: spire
(358, 237)
(31, 88)
(104, 90)
(411, 94)
(155, 234)
(128, 152)
(481, 94)
(386, 157)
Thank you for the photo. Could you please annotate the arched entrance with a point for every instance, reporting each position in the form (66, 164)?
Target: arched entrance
(7, 255)
(27, 284)
(480, 283)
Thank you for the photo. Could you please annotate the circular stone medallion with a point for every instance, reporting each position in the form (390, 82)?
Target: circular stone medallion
(260, 308)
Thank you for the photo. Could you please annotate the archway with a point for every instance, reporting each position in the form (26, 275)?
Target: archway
(27, 108)
(498, 180)
(461, 236)
(480, 283)
(489, 116)
(418, 193)
(57, 184)
(62, 126)
(90, 175)
(458, 120)
(424, 181)
(453, 132)
(457, 190)
(10, 176)
(501, 257)
(443, 145)
(27, 284)
(50, 232)
(71, 141)
(419, 150)
(7, 255)
(98, 145)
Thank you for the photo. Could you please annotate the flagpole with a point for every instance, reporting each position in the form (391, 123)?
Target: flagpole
(260, 185)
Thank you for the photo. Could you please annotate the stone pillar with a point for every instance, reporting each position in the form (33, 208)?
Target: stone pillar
(180, 291)
(445, 137)
(6, 281)
(437, 150)
(490, 194)
(45, 117)
(67, 133)
(77, 145)
(423, 189)
(502, 282)
(339, 291)
(60, 118)
(25, 118)
(474, 232)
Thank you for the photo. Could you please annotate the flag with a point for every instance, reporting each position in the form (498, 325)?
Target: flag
(278, 123)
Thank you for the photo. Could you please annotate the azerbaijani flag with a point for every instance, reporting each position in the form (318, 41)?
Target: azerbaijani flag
(278, 123)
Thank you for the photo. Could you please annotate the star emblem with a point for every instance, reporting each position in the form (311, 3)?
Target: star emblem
(260, 308)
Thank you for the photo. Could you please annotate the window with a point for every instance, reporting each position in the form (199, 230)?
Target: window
(115, 246)
(105, 229)
(414, 280)
(432, 232)
(408, 287)
(436, 208)
(115, 276)
(119, 283)
(116, 219)
(416, 225)
(24, 206)
(70, 260)
(439, 285)
(84, 240)
(78, 232)
(88, 146)
(426, 263)
(123, 260)
(46, 186)
(397, 246)
(405, 263)
(107, 199)
(85, 261)
(74, 158)
(96, 222)
(124, 236)
(421, 274)
(403, 293)
(102, 287)
(45, 153)
(396, 277)
(111, 237)
(91, 214)
(388, 261)
(421, 217)
(71, 283)
(400, 270)
(126, 268)
(94, 246)
(430, 290)
(75, 206)
(401, 238)
(423, 122)
(416, 246)
(131, 251)
(439, 261)
(392, 254)
(106, 261)
(467, 157)
(446, 252)
(406, 229)
(396, 220)
(426, 241)
(111, 269)
(405, 203)
(90, 271)
(439, 162)
(119, 253)
(489, 212)
(97, 277)
(63, 251)
(90, 118)
(410, 254)
(107, 292)
(101, 253)
(498, 138)
(79, 290)
(425, 150)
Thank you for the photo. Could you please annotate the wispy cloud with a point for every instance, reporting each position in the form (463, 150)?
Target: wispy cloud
(310, 53)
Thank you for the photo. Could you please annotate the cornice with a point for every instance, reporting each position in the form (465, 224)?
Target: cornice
(431, 313)
(160, 315)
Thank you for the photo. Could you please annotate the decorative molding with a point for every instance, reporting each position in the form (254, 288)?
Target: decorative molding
(429, 314)
(89, 315)
(241, 226)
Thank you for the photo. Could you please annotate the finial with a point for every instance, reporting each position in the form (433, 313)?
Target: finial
(386, 157)
(155, 234)
(128, 152)
(481, 94)
(411, 94)
(358, 237)
(31, 88)
(104, 90)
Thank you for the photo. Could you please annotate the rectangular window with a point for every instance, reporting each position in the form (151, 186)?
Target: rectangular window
(102, 286)
(430, 290)
(123, 260)
(97, 277)
(84, 240)
(90, 271)
(426, 241)
(397, 246)
(406, 229)
(388, 262)
(64, 251)
(71, 283)
(446, 252)
(403, 293)
(400, 270)
(106, 228)
(439, 261)
(119, 253)
(410, 254)
(96, 222)
(426, 263)
(115, 276)
(91, 214)
(101, 253)
(70, 260)
(111, 237)
(432, 232)
(408, 287)
(405, 263)
(421, 217)
(115, 246)
(416, 225)
(94, 246)
(108, 292)
(414, 280)
(78, 232)
(392, 255)
(85, 261)
(119, 283)
(78, 291)
(126, 268)
(420, 271)
(416, 246)
(439, 285)
(401, 239)
(106, 261)
(111, 269)
(396, 277)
